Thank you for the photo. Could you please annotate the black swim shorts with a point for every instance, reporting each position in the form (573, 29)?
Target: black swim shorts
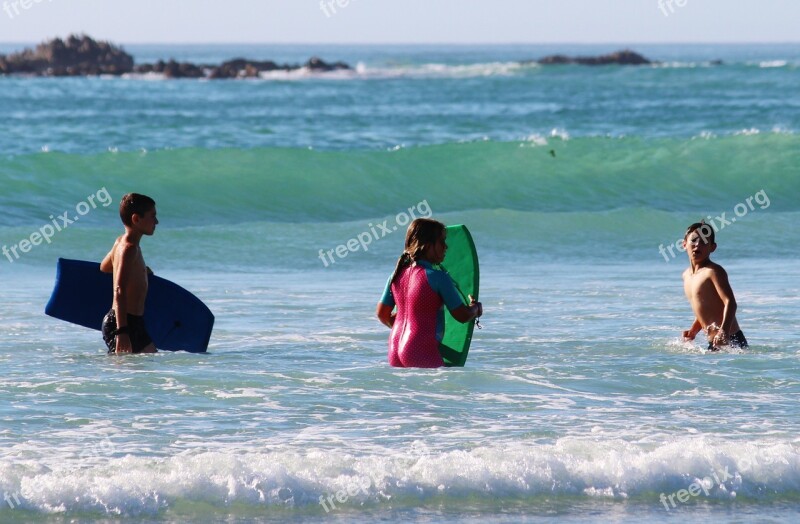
(137, 332)
(736, 340)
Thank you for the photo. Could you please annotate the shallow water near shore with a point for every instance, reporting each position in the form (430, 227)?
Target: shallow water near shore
(562, 403)
(578, 401)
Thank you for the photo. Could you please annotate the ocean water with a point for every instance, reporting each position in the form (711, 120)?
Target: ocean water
(578, 402)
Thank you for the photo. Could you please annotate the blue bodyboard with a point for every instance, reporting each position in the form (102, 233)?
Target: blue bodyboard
(176, 319)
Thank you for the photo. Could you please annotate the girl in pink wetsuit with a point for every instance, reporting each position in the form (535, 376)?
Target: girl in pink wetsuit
(419, 291)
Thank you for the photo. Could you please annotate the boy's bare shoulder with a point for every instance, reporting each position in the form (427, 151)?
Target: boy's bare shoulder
(714, 272)
(716, 268)
(126, 250)
(711, 268)
(719, 276)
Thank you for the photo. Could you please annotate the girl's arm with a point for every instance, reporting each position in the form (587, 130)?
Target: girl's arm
(466, 313)
(385, 314)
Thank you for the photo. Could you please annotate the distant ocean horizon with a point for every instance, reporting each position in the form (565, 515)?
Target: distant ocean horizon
(579, 402)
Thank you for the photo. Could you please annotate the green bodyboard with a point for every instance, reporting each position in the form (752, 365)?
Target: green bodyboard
(461, 262)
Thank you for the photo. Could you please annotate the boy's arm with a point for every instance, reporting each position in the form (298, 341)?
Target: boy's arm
(121, 278)
(107, 265)
(720, 279)
(693, 331)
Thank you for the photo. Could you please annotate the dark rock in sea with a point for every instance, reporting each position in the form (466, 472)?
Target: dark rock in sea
(625, 57)
(236, 68)
(243, 68)
(172, 69)
(552, 60)
(318, 65)
(82, 56)
(75, 56)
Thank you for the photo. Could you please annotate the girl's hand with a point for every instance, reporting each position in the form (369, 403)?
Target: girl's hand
(478, 307)
(720, 339)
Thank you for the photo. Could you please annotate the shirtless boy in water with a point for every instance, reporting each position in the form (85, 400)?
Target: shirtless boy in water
(123, 327)
(709, 292)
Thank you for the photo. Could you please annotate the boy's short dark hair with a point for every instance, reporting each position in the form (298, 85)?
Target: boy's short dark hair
(706, 232)
(134, 203)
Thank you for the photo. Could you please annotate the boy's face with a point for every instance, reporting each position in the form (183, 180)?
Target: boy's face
(147, 222)
(697, 247)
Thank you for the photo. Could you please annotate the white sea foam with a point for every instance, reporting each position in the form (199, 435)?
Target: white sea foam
(362, 71)
(705, 135)
(431, 70)
(151, 76)
(536, 139)
(298, 477)
(773, 63)
(684, 65)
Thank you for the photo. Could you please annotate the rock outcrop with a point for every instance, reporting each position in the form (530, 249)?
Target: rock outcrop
(75, 56)
(624, 57)
(318, 65)
(236, 68)
(172, 69)
(82, 56)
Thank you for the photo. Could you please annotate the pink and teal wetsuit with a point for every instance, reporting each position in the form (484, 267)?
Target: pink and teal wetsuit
(419, 292)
